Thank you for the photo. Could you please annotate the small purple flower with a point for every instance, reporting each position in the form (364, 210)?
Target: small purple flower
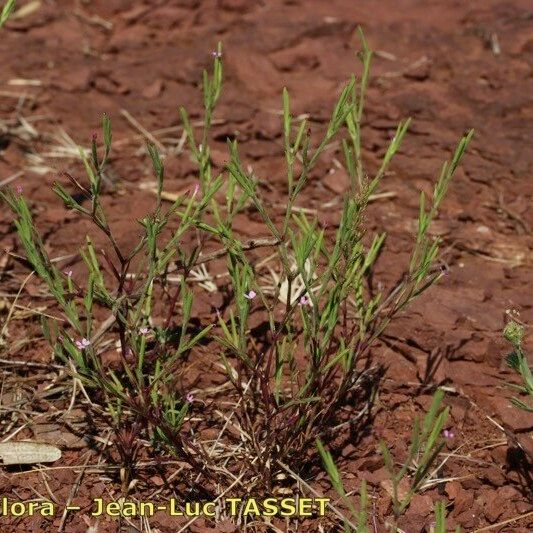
(196, 189)
(219, 315)
(94, 136)
(68, 273)
(448, 434)
(189, 397)
(144, 330)
(19, 189)
(217, 54)
(304, 300)
(250, 295)
(82, 344)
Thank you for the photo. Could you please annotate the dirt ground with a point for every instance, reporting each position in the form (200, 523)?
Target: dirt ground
(450, 65)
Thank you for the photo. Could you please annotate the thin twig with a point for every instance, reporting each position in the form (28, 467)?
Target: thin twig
(250, 245)
(14, 362)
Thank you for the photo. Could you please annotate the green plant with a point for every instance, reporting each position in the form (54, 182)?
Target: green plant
(359, 517)
(6, 11)
(426, 444)
(331, 314)
(318, 302)
(440, 519)
(145, 388)
(514, 333)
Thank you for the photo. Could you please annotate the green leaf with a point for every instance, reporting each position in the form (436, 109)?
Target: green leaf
(158, 169)
(334, 475)
(106, 128)
(6, 11)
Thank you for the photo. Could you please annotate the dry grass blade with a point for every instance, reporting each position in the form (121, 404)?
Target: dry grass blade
(24, 82)
(138, 126)
(12, 308)
(26, 10)
(65, 147)
(165, 195)
(11, 178)
(504, 522)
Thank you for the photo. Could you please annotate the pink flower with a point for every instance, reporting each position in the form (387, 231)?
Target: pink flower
(448, 434)
(304, 300)
(94, 136)
(82, 344)
(250, 295)
(216, 53)
(19, 189)
(219, 315)
(196, 189)
(144, 330)
(189, 398)
(68, 273)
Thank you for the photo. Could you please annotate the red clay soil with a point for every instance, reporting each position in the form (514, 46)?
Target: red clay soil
(450, 65)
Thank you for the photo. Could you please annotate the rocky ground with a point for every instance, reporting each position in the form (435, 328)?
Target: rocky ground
(448, 64)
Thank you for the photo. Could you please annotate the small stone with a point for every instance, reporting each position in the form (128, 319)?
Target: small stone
(495, 477)
(153, 90)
